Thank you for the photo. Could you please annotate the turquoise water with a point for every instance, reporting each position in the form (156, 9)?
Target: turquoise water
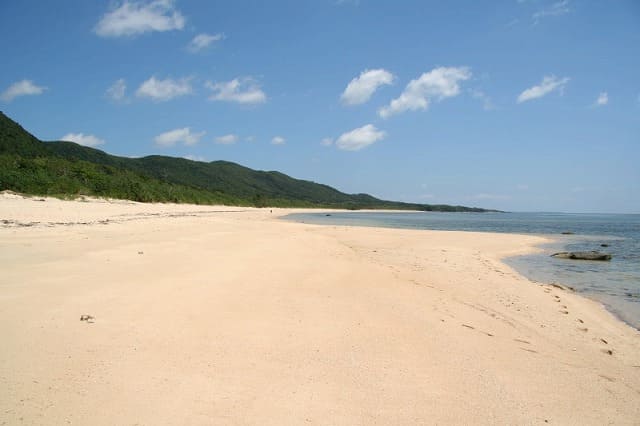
(616, 284)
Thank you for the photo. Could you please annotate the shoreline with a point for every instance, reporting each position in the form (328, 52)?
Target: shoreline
(593, 296)
(206, 314)
(613, 306)
(619, 308)
(566, 287)
(281, 214)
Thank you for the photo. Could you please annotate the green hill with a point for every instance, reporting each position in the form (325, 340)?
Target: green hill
(30, 166)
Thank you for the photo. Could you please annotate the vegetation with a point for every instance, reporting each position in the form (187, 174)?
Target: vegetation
(63, 169)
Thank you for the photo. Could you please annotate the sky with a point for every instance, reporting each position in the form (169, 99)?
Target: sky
(518, 105)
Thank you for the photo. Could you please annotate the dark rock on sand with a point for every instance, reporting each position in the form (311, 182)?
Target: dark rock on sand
(88, 318)
(582, 255)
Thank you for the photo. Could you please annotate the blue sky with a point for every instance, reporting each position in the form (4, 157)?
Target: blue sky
(522, 105)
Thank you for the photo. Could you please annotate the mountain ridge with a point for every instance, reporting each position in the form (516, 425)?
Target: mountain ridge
(62, 168)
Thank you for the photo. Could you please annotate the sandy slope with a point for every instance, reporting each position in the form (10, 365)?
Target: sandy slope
(217, 315)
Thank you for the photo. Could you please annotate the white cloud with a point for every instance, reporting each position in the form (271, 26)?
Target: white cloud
(195, 158)
(82, 139)
(439, 83)
(603, 99)
(359, 138)
(118, 90)
(227, 139)
(278, 140)
(487, 103)
(360, 89)
(242, 91)
(202, 41)
(21, 88)
(548, 85)
(426, 196)
(326, 142)
(137, 17)
(556, 9)
(250, 139)
(173, 137)
(512, 23)
(484, 196)
(164, 90)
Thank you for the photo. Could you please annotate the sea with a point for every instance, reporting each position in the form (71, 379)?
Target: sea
(615, 283)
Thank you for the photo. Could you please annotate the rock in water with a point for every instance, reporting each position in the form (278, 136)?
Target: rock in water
(582, 255)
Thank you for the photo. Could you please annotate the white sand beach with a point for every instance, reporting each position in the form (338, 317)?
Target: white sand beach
(205, 315)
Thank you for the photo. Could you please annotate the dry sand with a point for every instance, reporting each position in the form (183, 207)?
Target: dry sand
(216, 315)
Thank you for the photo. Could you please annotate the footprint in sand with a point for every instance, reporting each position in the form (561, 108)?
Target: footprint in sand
(526, 342)
(473, 328)
(606, 351)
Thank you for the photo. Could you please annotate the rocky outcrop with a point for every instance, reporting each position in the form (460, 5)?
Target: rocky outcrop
(582, 255)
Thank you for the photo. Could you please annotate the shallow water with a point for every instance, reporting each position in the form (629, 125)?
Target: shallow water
(616, 284)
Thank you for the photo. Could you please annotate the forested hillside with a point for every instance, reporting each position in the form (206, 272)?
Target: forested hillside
(66, 169)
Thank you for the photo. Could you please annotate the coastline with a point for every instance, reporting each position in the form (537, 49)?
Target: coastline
(608, 285)
(218, 314)
(537, 268)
